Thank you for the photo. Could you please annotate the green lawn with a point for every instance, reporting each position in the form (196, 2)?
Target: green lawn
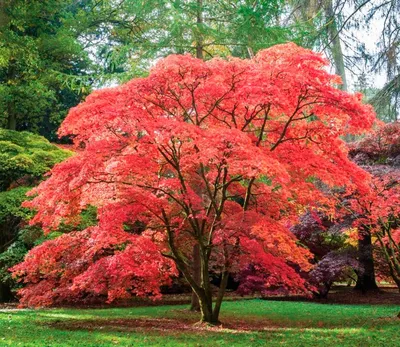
(245, 323)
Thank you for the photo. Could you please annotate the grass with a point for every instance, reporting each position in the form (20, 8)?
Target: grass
(245, 323)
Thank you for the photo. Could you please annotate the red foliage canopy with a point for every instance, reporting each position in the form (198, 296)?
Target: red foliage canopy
(221, 153)
(378, 211)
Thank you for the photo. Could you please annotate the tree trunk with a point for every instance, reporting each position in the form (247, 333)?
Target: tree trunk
(221, 292)
(11, 122)
(195, 304)
(11, 114)
(208, 314)
(199, 22)
(5, 293)
(206, 311)
(335, 45)
(366, 279)
(4, 19)
(323, 290)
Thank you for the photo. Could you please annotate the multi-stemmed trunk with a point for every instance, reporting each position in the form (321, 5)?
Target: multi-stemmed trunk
(202, 289)
(210, 312)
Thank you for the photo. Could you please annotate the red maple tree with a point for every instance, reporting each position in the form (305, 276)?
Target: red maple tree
(221, 154)
(377, 211)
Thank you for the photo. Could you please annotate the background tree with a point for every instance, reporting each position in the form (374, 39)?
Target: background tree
(377, 213)
(360, 38)
(335, 255)
(385, 58)
(53, 52)
(39, 50)
(238, 28)
(324, 19)
(372, 218)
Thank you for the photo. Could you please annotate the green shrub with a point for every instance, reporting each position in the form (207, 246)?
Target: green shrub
(24, 159)
(26, 156)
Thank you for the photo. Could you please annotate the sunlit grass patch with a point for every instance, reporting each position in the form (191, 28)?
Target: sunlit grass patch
(244, 323)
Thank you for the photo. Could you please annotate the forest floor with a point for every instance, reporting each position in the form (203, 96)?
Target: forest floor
(253, 322)
(389, 295)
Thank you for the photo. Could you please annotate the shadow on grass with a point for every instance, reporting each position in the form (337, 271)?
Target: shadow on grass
(347, 295)
(185, 325)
